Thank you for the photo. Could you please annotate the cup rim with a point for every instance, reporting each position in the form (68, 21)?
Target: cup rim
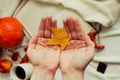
(13, 73)
(27, 74)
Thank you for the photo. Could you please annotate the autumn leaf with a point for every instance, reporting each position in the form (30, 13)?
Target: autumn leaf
(60, 37)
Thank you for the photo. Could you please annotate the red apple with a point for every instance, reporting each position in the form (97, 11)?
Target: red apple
(5, 65)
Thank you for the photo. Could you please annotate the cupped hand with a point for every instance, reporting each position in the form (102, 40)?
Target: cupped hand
(40, 54)
(79, 52)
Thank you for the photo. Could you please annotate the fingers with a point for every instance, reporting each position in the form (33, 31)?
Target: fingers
(72, 26)
(90, 45)
(44, 28)
(90, 48)
(79, 30)
(74, 29)
(54, 23)
(33, 42)
(48, 24)
(65, 23)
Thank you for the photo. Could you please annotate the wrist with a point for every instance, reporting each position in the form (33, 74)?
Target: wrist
(42, 74)
(73, 75)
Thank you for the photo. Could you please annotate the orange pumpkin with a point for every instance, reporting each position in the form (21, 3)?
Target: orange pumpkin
(11, 32)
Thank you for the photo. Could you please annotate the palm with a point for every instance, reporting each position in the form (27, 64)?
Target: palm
(77, 58)
(43, 55)
(80, 51)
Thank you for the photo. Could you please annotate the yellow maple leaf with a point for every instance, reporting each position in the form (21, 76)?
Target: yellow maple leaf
(60, 37)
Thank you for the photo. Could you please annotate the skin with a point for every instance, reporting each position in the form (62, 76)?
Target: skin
(77, 55)
(44, 58)
(72, 61)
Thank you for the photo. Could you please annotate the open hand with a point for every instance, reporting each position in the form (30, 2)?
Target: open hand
(79, 52)
(40, 54)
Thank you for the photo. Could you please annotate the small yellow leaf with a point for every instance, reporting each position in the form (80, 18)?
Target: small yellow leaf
(60, 37)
